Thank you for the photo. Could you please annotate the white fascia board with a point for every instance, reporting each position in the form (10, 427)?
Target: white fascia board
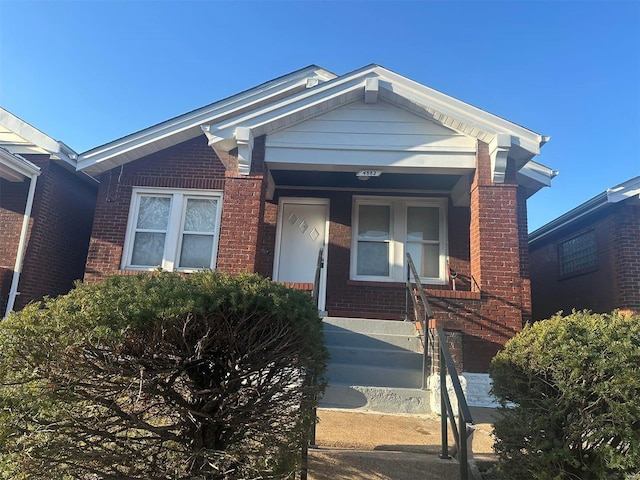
(452, 113)
(538, 172)
(387, 161)
(32, 136)
(196, 118)
(459, 110)
(625, 190)
(628, 189)
(291, 110)
(18, 164)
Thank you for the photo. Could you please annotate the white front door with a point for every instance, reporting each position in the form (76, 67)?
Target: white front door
(302, 232)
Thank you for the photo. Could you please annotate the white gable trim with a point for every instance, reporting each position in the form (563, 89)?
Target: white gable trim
(188, 126)
(18, 137)
(15, 168)
(371, 84)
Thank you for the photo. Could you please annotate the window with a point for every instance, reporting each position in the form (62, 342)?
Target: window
(172, 229)
(578, 254)
(385, 228)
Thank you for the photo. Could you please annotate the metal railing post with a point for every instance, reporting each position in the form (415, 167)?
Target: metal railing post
(443, 406)
(462, 432)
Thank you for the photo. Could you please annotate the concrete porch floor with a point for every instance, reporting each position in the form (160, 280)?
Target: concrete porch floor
(354, 445)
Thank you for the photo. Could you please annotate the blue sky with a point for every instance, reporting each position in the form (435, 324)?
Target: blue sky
(88, 72)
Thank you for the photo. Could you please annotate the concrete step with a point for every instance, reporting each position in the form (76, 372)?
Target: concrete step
(398, 358)
(365, 375)
(364, 325)
(347, 338)
(376, 399)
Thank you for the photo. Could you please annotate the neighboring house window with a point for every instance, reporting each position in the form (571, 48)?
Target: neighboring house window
(578, 254)
(385, 228)
(172, 229)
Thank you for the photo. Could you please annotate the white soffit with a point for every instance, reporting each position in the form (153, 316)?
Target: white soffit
(188, 126)
(18, 137)
(281, 103)
(392, 88)
(15, 168)
(534, 176)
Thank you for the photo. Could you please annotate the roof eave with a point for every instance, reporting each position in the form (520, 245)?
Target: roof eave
(22, 167)
(91, 159)
(625, 190)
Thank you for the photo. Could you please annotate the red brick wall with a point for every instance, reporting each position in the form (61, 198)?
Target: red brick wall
(499, 264)
(627, 238)
(358, 298)
(58, 236)
(613, 284)
(494, 228)
(242, 225)
(191, 164)
(62, 215)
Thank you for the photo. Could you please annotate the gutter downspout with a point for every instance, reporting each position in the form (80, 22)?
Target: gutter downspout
(13, 292)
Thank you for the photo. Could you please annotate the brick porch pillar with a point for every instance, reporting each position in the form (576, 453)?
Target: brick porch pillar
(242, 214)
(499, 261)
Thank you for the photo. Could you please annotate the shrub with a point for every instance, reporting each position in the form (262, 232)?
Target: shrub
(569, 389)
(159, 377)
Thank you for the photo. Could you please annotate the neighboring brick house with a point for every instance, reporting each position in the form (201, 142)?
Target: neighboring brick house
(46, 212)
(368, 165)
(589, 258)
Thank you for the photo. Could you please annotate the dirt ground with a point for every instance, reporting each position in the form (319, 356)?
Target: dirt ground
(367, 446)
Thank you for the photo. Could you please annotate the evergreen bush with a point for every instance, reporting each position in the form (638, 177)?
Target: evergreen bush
(569, 389)
(159, 376)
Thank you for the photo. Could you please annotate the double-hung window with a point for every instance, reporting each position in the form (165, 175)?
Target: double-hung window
(172, 229)
(386, 228)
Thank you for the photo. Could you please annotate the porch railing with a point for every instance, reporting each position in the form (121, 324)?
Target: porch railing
(316, 280)
(311, 382)
(422, 315)
(462, 428)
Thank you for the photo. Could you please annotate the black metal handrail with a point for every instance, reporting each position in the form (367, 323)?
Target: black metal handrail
(423, 319)
(461, 429)
(310, 400)
(311, 379)
(316, 279)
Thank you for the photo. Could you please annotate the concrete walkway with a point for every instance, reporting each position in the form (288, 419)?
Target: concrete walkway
(354, 445)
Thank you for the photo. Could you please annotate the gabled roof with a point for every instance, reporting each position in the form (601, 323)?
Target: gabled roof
(304, 94)
(624, 191)
(188, 126)
(19, 137)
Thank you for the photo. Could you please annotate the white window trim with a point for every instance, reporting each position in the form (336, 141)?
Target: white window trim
(398, 230)
(173, 239)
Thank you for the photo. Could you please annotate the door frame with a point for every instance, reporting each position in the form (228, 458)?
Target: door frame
(322, 290)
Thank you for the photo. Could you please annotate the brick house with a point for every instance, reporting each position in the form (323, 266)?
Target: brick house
(46, 213)
(365, 166)
(589, 258)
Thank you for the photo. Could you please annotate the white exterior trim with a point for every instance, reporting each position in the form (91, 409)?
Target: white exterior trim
(14, 168)
(322, 290)
(173, 240)
(187, 126)
(244, 139)
(392, 87)
(398, 241)
(499, 152)
(22, 138)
